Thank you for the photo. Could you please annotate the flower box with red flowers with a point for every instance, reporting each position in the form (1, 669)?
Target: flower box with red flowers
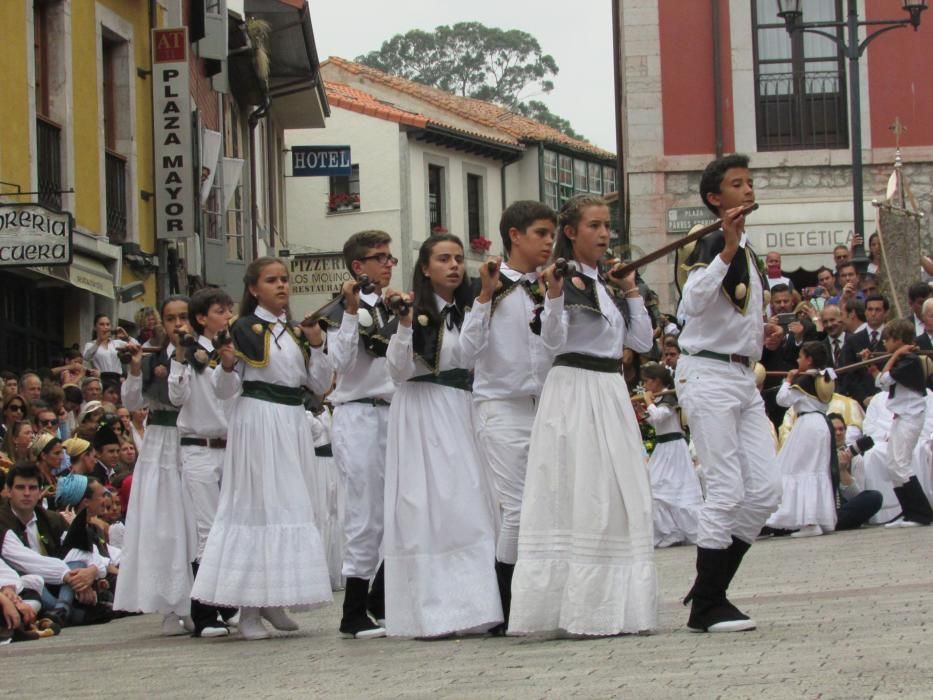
(480, 244)
(343, 201)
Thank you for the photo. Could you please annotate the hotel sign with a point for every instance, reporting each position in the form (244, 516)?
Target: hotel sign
(319, 161)
(171, 97)
(31, 234)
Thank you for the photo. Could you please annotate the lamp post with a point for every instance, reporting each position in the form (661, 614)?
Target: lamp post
(792, 14)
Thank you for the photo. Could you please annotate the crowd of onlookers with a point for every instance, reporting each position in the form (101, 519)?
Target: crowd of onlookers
(67, 453)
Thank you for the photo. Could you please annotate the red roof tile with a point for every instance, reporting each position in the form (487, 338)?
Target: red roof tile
(486, 114)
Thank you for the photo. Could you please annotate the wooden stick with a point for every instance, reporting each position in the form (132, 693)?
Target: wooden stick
(671, 247)
(665, 392)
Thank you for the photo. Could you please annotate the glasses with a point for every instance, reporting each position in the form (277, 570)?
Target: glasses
(381, 258)
(16, 407)
(49, 421)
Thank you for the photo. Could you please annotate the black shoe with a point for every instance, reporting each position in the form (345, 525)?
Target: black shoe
(355, 623)
(504, 579)
(376, 600)
(710, 610)
(736, 552)
(914, 504)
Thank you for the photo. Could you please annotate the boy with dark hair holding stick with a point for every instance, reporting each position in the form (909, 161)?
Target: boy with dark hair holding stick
(511, 363)
(355, 351)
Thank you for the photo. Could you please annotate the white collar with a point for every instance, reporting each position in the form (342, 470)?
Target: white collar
(442, 304)
(206, 343)
(372, 298)
(516, 276)
(590, 272)
(170, 349)
(864, 326)
(266, 315)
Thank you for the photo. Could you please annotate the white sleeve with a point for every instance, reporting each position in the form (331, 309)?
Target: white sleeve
(658, 413)
(90, 349)
(27, 561)
(703, 285)
(400, 358)
(474, 335)
(344, 343)
(179, 383)
(132, 392)
(639, 335)
(227, 384)
(320, 371)
(92, 558)
(555, 321)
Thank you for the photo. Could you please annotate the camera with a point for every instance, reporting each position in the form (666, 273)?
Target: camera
(861, 446)
(786, 319)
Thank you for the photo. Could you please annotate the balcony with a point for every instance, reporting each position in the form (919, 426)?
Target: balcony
(116, 197)
(801, 111)
(49, 162)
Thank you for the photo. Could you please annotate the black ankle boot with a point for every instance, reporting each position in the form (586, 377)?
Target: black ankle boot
(736, 551)
(710, 610)
(914, 502)
(504, 578)
(376, 602)
(356, 623)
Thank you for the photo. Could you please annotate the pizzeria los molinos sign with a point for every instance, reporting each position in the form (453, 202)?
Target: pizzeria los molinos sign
(31, 234)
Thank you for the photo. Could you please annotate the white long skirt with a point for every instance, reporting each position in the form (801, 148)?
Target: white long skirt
(328, 495)
(264, 549)
(675, 493)
(585, 546)
(803, 463)
(440, 535)
(158, 544)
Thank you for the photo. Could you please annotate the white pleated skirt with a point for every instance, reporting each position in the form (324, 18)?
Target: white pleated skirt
(675, 493)
(264, 549)
(159, 542)
(803, 464)
(440, 534)
(585, 545)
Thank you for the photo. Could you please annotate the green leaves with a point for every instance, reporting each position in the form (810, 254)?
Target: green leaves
(473, 60)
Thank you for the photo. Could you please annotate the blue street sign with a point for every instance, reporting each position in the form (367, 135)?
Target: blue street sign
(317, 161)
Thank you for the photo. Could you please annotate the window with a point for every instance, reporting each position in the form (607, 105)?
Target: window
(566, 177)
(115, 171)
(436, 196)
(474, 206)
(609, 179)
(550, 180)
(579, 176)
(41, 37)
(800, 95)
(596, 178)
(344, 192)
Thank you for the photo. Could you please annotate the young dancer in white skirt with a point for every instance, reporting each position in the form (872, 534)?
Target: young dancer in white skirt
(808, 503)
(158, 546)
(585, 546)
(264, 553)
(202, 432)
(440, 535)
(511, 363)
(675, 488)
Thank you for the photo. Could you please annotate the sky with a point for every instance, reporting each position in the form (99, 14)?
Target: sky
(578, 35)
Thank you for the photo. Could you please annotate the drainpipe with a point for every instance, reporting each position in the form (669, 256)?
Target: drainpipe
(717, 78)
(252, 121)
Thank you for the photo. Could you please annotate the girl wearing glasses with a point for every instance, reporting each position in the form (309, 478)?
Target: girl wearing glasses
(14, 409)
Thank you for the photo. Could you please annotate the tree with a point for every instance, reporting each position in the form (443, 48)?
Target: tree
(474, 60)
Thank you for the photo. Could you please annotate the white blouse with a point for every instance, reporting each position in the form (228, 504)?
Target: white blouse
(582, 331)
(104, 357)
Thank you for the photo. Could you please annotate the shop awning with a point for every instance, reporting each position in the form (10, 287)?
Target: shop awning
(91, 276)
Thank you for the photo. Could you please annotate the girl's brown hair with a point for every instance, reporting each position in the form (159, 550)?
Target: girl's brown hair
(570, 215)
(249, 303)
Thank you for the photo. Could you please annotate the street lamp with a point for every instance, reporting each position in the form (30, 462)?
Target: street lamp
(792, 14)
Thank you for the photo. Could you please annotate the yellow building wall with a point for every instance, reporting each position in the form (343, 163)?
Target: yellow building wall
(14, 104)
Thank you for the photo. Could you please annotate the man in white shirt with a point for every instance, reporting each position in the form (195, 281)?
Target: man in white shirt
(723, 302)
(361, 397)
(511, 363)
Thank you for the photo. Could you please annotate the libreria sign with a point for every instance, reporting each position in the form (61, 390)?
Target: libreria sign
(30, 234)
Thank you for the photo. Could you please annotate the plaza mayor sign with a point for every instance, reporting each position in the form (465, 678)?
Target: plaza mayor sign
(30, 234)
(171, 98)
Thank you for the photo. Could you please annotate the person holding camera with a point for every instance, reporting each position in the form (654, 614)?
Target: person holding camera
(855, 504)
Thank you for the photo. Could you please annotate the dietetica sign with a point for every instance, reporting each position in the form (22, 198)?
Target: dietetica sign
(31, 234)
(171, 97)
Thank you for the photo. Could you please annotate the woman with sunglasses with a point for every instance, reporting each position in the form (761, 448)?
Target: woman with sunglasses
(14, 409)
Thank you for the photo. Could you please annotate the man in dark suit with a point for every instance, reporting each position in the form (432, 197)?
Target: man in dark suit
(859, 384)
(834, 333)
(925, 339)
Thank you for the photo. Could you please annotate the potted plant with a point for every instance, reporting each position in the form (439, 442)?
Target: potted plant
(480, 244)
(343, 201)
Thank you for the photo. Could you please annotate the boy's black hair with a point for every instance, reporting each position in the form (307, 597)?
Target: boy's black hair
(23, 470)
(918, 290)
(711, 180)
(202, 301)
(879, 297)
(818, 352)
(520, 215)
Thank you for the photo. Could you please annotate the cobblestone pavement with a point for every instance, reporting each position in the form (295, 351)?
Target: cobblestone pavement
(841, 616)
